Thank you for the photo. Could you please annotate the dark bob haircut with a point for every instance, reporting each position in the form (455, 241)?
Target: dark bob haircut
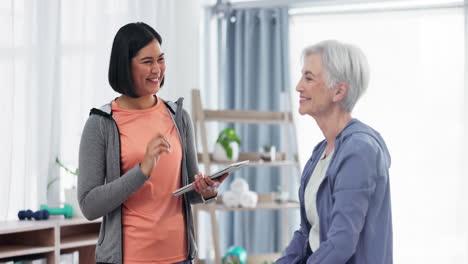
(127, 42)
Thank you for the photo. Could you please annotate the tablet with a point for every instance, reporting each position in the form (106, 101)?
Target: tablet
(229, 169)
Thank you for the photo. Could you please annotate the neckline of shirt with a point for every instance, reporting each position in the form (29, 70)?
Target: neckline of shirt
(158, 104)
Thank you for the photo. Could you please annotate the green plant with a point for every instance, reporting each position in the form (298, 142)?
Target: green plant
(73, 172)
(225, 138)
(61, 165)
(267, 148)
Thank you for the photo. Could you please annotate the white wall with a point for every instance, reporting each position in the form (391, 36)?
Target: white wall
(183, 72)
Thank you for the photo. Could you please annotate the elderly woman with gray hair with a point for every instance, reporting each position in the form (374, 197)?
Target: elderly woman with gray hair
(345, 192)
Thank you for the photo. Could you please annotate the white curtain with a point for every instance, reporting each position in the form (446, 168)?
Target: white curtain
(417, 100)
(54, 59)
(30, 117)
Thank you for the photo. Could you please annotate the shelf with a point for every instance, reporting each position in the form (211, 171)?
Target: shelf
(49, 238)
(261, 258)
(76, 241)
(255, 160)
(9, 227)
(265, 202)
(18, 238)
(78, 232)
(22, 250)
(78, 221)
(252, 117)
(260, 206)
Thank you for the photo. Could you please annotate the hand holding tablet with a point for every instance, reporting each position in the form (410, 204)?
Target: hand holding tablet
(229, 169)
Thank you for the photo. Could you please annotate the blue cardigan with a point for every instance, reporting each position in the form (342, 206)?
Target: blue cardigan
(353, 203)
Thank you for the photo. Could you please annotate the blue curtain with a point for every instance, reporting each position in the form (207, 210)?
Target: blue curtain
(254, 71)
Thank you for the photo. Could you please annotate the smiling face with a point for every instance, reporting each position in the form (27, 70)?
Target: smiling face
(148, 68)
(315, 98)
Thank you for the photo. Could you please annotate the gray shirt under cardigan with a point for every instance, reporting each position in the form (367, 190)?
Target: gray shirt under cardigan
(102, 189)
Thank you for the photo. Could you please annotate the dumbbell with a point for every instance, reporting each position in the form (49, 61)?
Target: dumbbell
(66, 210)
(235, 255)
(39, 215)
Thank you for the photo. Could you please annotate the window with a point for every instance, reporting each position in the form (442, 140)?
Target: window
(416, 101)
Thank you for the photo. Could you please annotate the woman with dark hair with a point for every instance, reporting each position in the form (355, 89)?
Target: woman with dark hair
(134, 152)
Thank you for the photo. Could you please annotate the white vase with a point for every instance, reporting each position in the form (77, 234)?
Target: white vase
(220, 154)
(71, 198)
(273, 153)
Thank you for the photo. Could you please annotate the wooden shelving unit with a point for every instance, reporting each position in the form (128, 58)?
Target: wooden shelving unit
(266, 201)
(23, 238)
(49, 239)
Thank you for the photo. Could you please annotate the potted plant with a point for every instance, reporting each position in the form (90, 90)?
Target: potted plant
(268, 153)
(227, 146)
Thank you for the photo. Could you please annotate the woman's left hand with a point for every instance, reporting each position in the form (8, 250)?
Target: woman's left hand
(207, 187)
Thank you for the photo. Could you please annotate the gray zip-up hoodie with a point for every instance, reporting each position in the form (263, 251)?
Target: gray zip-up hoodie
(102, 189)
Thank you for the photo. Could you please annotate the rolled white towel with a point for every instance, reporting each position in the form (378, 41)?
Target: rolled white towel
(231, 199)
(248, 199)
(239, 186)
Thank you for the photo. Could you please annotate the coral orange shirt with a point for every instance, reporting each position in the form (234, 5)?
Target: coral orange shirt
(153, 221)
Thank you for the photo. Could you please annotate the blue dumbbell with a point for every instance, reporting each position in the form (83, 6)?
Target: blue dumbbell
(38, 215)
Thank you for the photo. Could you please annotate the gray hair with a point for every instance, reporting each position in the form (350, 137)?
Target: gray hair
(342, 63)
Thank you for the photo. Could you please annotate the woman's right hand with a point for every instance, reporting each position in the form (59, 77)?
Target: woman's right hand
(156, 146)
